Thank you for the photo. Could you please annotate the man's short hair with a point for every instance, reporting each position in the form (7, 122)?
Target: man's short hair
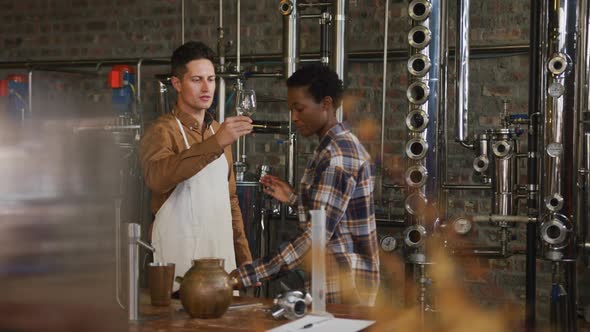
(188, 52)
(321, 81)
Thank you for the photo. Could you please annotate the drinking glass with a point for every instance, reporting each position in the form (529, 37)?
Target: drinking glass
(246, 102)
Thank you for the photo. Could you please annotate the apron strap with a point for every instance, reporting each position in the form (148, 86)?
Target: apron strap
(183, 134)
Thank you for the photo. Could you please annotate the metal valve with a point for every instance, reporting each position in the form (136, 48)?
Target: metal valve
(291, 305)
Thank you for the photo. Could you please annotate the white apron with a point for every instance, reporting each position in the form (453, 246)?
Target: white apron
(196, 221)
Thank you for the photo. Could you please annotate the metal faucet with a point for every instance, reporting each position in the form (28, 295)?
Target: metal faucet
(133, 234)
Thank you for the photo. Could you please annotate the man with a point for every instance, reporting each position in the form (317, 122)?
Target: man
(187, 164)
(338, 178)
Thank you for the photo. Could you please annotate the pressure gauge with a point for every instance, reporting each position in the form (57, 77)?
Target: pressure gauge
(388, 243)
(554, 149)
(462, 226)
(556, 90)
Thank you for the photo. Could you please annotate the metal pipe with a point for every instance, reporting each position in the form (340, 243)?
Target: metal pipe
(310, 16)
(584, 213)
(234, 75)
(453, 186)
(67, 71)
(292, 161)
(82, 63)
(394, 186)
(290, 12)
(532, 165)
(462, 67)
(138, 92)
(476, 52)
(423, 282)
(263, 75)
(443, 106)
(221, 55)
(238, 66)
(317, 4)
(30, 92)
(182, 22)
(118, 203)
(270, 127)
(325, 19)
(489, 252)
(339, 44)
(133, 233)
(106, 128)
(238, 163)
(290, 39)
(221, 100)
(499, 218)
(585, 234)
(561, 139)
(221, 13)
(384, 86)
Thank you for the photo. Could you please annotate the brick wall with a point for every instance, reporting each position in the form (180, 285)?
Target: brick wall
(83, 29)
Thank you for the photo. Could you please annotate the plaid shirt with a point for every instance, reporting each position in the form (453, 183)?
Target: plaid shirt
(338, 178)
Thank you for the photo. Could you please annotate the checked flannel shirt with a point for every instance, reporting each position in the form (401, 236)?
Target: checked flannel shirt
(338, 178)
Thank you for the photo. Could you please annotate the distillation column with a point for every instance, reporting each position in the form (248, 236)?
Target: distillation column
(421, 176)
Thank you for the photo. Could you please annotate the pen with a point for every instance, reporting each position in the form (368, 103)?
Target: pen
(308, 325)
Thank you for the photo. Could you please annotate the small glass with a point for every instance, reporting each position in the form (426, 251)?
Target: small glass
(161, 279)
(246, 102)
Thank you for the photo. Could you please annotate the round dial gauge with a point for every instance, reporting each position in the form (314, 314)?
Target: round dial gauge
(462, 226)
(556, 90)
(388, 243)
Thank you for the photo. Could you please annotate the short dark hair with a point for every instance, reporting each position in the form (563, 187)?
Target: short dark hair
(321, 81)
(188, 52)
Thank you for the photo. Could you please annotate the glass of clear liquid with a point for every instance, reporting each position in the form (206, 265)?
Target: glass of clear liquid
(245, 102)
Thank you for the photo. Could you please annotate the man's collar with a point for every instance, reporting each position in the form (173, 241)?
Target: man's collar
(190, 122)
(336, 130)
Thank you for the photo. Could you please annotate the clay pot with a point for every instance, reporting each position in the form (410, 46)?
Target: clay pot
(206, 291)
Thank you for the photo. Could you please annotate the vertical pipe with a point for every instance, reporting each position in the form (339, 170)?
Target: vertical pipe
(443, 106)
(238, 66)
(288, 9)
(325, 38)
(221, 100)
(560, 106)
(30, 92)
(532, 165)
(221, 55)
(133, 232)
(384, 86)
(162, 98)
(292, 156)
(584, 229)
(561, 140)
(584, 104)
(462, 67)
(138, 93)
(118, 203)
(238, 92)
(339, 56)
(182, 22)
(423, 134)
(240, 140)
(290, 37)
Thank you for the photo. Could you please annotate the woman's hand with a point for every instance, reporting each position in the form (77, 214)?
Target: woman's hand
(276, 188)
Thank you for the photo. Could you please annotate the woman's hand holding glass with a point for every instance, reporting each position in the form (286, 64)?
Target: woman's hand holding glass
(276, 188)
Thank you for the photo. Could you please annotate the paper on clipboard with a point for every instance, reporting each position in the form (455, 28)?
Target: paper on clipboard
(312, 323)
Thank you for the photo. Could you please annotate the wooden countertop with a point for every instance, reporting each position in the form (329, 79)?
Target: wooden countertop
(252, 318)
